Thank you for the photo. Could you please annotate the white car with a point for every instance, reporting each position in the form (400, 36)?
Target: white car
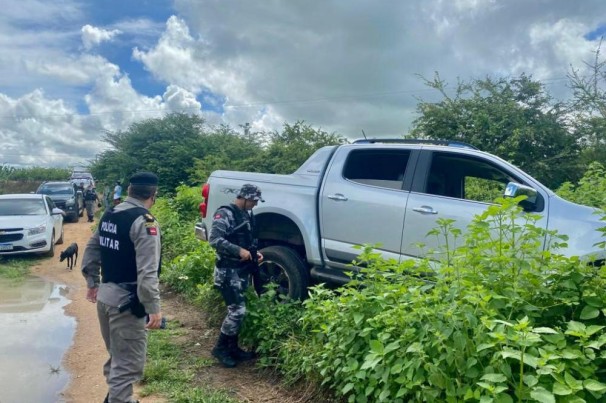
(29, 223)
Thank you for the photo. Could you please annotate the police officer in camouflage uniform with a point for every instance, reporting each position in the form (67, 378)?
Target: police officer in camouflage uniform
(233, 235)
(121, 264)
(90, 198)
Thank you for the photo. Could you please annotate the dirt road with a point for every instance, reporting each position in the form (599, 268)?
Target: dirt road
(85, 358)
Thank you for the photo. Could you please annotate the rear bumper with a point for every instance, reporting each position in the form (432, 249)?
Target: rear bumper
(201, 231)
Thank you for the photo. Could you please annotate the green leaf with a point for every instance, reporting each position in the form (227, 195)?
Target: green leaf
(503, 398)
(542, 395)
(358, 318)
(544, 330)
(494, 378)
(561, 389)
(530, 380)
(347, 388)
(594, 386)
(589, 312)
(377, 347)
(594, 301)
(572, 382)
(485, 346)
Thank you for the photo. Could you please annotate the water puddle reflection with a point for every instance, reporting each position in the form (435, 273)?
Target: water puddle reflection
(34, 335)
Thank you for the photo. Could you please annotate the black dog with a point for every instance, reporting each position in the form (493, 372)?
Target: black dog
(69, 255)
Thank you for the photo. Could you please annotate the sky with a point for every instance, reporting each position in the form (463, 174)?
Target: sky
(73, 70)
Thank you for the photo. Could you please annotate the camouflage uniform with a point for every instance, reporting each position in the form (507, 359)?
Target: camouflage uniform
(231, 277)
(228, 235)
(90, 198)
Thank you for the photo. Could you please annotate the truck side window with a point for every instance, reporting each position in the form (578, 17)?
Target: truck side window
(466, 177)
(382, 168)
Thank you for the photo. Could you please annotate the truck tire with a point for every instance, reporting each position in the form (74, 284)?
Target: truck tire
(283, 266)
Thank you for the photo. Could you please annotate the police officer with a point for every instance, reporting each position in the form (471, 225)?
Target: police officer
(233, 236)
(125, 249)
(90, 198)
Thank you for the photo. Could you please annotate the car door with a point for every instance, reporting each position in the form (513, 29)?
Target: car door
(451, 185)
(363, 201)
(56, 219)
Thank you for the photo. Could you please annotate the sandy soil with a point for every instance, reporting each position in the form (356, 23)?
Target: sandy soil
(84, 360)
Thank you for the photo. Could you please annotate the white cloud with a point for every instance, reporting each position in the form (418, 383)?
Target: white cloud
(342, 66)
(92, 36)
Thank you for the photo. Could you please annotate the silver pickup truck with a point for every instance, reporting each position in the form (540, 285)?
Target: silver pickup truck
(386, 193)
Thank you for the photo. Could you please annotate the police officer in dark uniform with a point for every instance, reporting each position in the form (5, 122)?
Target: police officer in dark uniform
(232, 235)
(121, 264)
(90, 198)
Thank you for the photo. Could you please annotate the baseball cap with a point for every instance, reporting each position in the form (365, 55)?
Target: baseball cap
(250, 192)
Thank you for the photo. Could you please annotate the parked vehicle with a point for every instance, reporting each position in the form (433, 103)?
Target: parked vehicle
(66, 196)
(82, 179)
(384, 192)
(29, 223)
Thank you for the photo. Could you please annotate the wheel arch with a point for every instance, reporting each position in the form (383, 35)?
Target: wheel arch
(279, 229)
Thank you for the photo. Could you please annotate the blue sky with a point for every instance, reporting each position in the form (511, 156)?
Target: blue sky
(71, 70)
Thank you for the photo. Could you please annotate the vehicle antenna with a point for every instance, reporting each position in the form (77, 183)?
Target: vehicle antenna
(364, 134)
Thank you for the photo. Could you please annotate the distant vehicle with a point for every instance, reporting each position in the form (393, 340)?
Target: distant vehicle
(66, 196)
(82, 178)
(29, 223)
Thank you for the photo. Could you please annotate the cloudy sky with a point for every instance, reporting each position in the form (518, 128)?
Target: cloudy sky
(71, 70)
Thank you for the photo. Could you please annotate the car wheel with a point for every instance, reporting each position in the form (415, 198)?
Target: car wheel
(76, 217)
(60, 240)
(51, 251)
(283, 267)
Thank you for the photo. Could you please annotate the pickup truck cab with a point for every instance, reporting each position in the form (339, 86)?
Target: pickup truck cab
(388, 193)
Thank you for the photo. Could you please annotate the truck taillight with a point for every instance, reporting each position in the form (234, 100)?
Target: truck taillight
(203, 206)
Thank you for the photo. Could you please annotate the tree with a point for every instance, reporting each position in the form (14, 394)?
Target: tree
(588, 106)
(514, 119)
(288, 149)
(166, 146)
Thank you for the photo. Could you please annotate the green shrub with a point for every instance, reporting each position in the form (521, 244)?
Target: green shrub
(501, 320)
(590, 190)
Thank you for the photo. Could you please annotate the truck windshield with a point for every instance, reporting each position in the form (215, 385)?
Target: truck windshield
(56, 190)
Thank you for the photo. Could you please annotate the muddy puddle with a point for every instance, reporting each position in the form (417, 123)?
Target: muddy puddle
(34, 335)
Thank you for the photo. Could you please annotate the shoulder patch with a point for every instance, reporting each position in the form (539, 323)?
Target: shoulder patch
(152, 231)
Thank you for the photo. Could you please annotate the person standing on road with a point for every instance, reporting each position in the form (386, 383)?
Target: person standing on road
(232, 235)
(90, 199)
(124, 256)
(117, 193)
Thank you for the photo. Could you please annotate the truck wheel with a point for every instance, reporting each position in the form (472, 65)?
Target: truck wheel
(283, 266)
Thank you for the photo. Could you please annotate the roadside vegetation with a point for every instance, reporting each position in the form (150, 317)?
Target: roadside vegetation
(16, 268)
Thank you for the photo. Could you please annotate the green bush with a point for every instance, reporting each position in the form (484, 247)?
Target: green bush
(590, 190)
(500, 321)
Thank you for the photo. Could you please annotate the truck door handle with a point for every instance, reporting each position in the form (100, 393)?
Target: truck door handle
(337, 197)
(425, 210)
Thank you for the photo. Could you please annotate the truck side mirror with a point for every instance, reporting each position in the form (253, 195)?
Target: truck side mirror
(516, 189)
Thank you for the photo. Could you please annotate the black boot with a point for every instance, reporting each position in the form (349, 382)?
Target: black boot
(237, 353)
(221, 351)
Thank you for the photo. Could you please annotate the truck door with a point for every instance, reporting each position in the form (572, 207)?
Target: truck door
(362, 201)
(454, 186)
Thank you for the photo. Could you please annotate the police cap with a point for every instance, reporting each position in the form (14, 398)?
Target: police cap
(250, 192)
(144, 178)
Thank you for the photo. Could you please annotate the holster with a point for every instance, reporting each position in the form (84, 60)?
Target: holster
(135, 306)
